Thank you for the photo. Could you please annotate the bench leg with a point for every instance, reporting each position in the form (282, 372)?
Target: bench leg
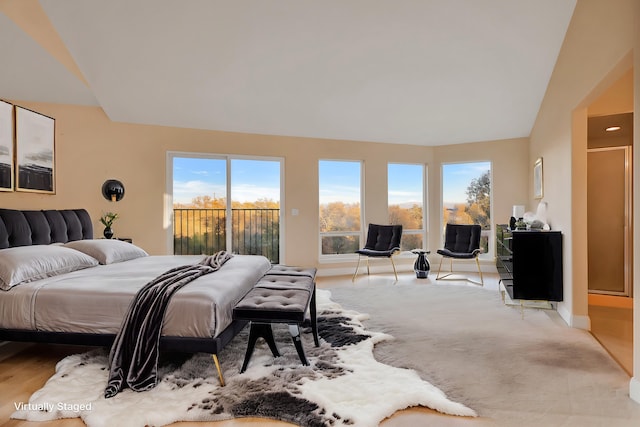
(259, 330)
(294, 330)
(314, 320)
(217, 362)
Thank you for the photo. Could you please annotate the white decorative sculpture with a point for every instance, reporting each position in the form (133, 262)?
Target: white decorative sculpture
(541, 212)
(538, 220)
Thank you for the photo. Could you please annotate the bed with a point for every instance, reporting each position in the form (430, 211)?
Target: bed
(59, 285)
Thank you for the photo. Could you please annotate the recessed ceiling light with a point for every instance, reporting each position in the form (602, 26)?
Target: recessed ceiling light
(613, 128)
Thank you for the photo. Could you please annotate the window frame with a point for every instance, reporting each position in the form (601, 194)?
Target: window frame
(425, 207)
(488, 233)
(168, 219)
(329, 258)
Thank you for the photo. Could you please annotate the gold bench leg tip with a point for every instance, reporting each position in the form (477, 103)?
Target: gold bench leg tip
(217, 363)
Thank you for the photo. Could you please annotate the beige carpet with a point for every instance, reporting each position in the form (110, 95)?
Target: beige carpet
(531, 371)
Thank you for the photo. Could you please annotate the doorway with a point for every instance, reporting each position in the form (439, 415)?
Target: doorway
(609, 218)
(609, 230)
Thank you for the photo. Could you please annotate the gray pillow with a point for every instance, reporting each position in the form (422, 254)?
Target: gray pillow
(28, 263)
(107, 251)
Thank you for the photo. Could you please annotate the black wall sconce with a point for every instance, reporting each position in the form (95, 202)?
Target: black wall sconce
(113, 190)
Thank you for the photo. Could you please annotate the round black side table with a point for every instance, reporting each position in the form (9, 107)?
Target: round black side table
(421, 266)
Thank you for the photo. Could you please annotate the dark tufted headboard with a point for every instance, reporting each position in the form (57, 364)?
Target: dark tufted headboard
(23, 228)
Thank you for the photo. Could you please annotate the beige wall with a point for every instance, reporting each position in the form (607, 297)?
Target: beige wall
(617, 99)
(597, 45)
(599, 48)
(90, 149)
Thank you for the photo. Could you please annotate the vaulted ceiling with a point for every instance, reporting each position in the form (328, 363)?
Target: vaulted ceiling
(425, 72)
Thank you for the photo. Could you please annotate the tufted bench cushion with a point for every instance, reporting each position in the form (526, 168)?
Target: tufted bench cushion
(283, 295)
(286, 270)
(273, 305)
(271, 281)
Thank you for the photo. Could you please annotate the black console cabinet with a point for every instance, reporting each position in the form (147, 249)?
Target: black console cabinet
(530, 263)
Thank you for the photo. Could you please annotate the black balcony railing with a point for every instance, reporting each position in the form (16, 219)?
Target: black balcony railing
(254, 231)
(199, 231)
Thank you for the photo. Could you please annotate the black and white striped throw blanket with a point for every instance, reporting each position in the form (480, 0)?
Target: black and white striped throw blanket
(133, 360)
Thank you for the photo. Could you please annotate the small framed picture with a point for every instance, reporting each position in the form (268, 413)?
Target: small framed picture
(35, 152)
(538, 182)
(6, 146)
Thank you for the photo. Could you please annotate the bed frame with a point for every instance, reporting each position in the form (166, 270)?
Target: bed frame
(32, 227)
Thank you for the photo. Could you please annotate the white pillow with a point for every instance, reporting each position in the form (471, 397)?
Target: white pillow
(107, 251)
(28, 263)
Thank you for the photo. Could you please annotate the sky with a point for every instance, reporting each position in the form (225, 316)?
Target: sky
(339, 180)
(251, 179)
(456, 178)
(406, 184)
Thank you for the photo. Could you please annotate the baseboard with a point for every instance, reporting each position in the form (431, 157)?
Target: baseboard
(634, 389)
(579, 322)
(404, 264)
(564, 313)
(348, 271)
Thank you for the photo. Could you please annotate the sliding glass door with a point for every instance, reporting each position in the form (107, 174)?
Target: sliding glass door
(255, 213)
(204, 221)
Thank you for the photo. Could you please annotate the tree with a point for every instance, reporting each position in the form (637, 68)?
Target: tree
(410, 218)
(479, 200)
(200, 226)
(340, 216)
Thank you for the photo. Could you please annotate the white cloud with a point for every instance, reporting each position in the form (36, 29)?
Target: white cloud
(251, 193)
(186, 191)
(339, 193)
(403, 197)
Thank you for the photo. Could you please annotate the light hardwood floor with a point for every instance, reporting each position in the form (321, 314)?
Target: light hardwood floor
(24, 368)
(612, 325)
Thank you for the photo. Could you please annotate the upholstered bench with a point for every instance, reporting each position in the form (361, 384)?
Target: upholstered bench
(283, 295)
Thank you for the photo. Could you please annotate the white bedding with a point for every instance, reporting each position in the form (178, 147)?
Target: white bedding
(95, 299)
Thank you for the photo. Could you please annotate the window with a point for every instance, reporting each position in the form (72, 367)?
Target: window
(405, 202)
(466, 197)
(340, 201)
(199, 205)
(203, 220)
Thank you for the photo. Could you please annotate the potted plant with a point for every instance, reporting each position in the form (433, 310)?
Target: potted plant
(107, 220)
(521, 225)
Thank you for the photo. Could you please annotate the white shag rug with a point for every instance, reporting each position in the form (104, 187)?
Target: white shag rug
(344, 384)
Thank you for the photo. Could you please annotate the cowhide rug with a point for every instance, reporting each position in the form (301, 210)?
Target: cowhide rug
(344, 384)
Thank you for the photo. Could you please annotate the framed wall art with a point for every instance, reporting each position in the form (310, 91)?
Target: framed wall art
(538, 183)
(35, 152)
(6, 146)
